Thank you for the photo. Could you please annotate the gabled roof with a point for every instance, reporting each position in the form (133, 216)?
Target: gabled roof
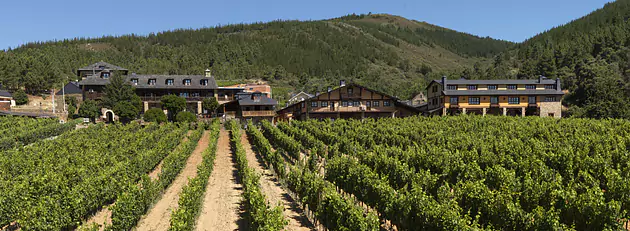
(246, 100)
(70, 88)
(96, 66)
(160, 81)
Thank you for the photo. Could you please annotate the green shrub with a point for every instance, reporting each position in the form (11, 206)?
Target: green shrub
(155, 115)
(186, 116)
(20, 97)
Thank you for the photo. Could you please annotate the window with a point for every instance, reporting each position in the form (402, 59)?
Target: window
(550, 87)
(91, 90)
(435, 88)
(473, 100)
(324, 103)
(195, 94)
(203, 82)
(187, 82)
(313, 103)
(169, 82)
(511, 87)
(349, 91)
(514, 100)
(472, 87)
(454, 100)
(451, 87)
(152, 81)
(367, 104)
(531, 99)
(375, 104)
(183, 94)
(386, 103)
(550, 98)
(344, 103)
(105, 75)
(356, 103)
(551, 115)
(530, 87)
(492, 87)
(494, 100)
(134, 81)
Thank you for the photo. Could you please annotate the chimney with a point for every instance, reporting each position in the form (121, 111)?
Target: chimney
(540, 78)
(444, 81)
(558, 87)
(208, 73)
(329, 89)
(342, 83)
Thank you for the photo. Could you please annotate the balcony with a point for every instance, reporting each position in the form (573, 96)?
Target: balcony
(258, 113)
(225, 98)
(454, 105)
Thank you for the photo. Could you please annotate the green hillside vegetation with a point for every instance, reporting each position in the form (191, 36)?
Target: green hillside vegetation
(385, 52)
(591, 55)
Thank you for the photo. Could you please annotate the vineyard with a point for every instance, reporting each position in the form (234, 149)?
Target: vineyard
(441, 173)
(19, 131)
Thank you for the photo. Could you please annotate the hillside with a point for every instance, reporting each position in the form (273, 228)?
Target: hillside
(389, 53)
(591, 55)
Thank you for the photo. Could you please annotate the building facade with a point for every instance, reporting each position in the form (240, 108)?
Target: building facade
(6, 100)
(253, 106)
(527, 97)
(350, 101)
(151, 88)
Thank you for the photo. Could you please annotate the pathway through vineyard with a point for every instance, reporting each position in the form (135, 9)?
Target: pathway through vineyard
(221, 202)
(272, 189)
(159, 216)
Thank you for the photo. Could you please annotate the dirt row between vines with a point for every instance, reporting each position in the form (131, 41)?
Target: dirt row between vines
(104, 215)
(272, 189)
(159, 216)
(221, 202)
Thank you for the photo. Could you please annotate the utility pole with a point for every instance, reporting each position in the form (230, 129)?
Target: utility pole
(53, 99)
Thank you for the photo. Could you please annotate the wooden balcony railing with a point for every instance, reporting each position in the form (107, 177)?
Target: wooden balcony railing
(225, 98)
(258, 113)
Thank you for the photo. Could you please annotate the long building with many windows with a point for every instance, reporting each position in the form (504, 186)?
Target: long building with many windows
(524, 97)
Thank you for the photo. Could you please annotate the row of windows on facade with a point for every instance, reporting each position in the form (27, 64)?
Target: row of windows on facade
(171, 82)
(495, 87)
(495, 100)
(386, 103)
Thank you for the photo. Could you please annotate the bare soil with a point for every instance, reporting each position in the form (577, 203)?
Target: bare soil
(159, 217)
(221, 203)
(274, 192)
(104, 215)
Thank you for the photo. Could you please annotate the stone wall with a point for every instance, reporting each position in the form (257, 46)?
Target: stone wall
(547, 108)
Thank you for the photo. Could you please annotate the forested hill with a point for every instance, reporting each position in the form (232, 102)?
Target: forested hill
(389, 53)
(590, 54)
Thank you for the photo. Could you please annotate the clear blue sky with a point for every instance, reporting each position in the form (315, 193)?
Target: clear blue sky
(23, 21)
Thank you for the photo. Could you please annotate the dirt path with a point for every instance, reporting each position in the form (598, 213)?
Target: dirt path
(274, 192)
(159, 217)
(104, 215)
(222, 198)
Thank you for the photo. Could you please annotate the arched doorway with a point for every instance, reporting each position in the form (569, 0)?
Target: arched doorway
(110, 116)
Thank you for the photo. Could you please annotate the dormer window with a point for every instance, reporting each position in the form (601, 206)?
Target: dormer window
(450, 87)
(105, 75)
(530, 87)
(101, 67)
(169, 82)
(134, 81)
(550, 87)
(511, 87)
(187, 82)
(203, 82)
(472, 87)
(492, 87)
(152, 82)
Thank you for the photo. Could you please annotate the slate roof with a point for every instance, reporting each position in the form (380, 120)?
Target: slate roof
(160, 81)
(4, 93)
(501, 92)
(246, 100)
(70, 88)
(497, 81)
(96, 66)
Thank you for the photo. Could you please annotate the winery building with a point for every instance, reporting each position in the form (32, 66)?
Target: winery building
(523, 97)
(350, 101)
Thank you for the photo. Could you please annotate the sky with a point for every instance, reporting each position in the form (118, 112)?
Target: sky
(23, 21)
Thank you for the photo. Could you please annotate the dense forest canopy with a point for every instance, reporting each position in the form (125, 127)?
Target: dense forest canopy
(591, 56)
(386, 52)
